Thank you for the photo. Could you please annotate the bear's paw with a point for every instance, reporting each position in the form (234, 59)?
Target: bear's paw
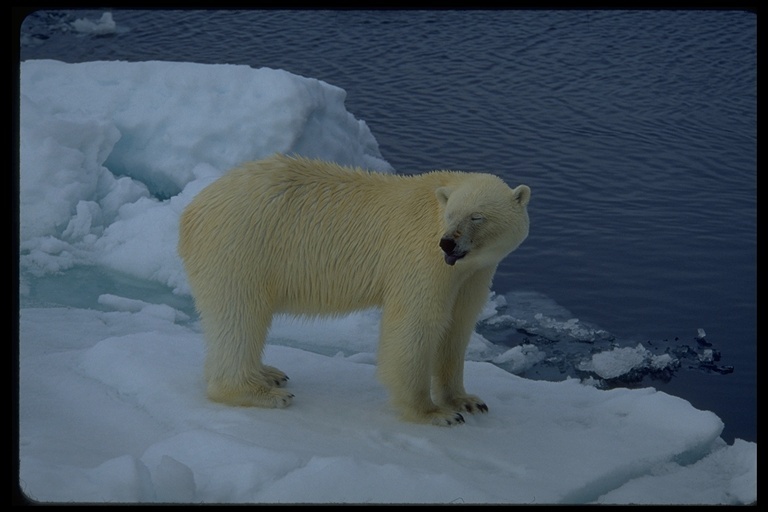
(255, 396)
(448, 419)
(274, 376)
(439, 416)
(466, 403)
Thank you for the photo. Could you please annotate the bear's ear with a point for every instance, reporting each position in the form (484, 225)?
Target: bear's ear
(442, 194)
(522, 194)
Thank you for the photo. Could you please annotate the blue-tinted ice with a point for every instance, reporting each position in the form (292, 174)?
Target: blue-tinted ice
(554, 345)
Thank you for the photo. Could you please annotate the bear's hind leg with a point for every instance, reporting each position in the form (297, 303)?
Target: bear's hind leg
(233, 367)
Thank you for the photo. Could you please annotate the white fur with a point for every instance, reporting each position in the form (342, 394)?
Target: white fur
(309, 237)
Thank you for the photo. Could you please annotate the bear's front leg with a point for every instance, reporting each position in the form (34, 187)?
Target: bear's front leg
(406, 349)
(448, 379)
(448, 372)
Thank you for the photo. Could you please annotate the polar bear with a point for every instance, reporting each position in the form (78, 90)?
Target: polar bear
(307, 237)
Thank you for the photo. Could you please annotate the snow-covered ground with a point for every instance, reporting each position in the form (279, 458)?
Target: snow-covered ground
(111, 398)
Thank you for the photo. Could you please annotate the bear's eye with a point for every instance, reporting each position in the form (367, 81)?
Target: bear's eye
(477, 217)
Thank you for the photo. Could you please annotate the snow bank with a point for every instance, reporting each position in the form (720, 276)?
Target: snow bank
(111, 152)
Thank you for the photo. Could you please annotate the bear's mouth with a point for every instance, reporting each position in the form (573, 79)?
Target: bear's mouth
(451, 252)
(451, 259)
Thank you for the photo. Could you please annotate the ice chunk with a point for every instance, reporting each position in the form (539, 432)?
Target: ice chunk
(105, 25)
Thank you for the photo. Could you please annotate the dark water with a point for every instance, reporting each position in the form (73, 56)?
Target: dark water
(636, 131)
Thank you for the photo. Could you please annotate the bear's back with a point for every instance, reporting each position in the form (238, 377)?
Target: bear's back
(310, 228)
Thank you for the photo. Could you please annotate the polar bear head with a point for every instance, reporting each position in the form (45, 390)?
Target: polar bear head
(483, 219)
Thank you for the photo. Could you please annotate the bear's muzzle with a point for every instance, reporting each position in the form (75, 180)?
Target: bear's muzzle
(452, 253)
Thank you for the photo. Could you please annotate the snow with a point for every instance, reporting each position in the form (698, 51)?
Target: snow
(112, 405)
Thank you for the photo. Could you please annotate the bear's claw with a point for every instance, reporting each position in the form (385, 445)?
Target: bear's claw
(274, 375)
(467, 403)
(282, 399)
(448, 421)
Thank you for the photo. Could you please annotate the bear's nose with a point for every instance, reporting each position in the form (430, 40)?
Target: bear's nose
(447, 245)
